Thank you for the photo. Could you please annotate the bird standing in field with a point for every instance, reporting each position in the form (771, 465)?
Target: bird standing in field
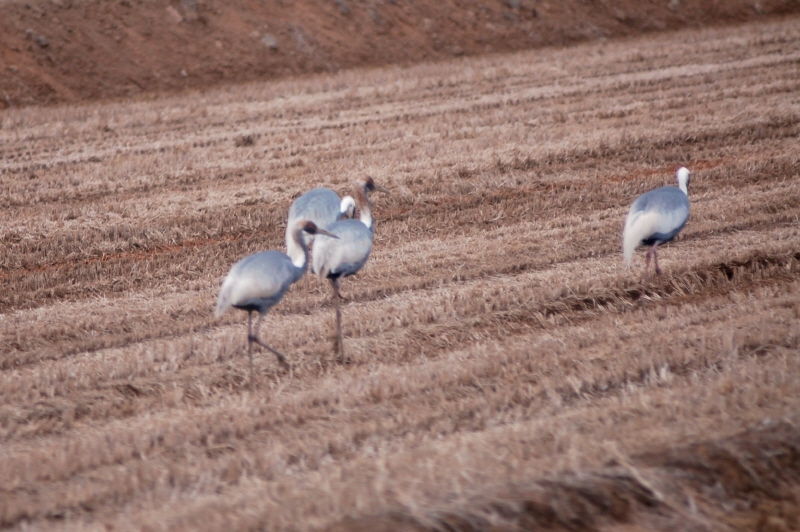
(321, 206)
(334, 259)
(656, 217)
(257, 282)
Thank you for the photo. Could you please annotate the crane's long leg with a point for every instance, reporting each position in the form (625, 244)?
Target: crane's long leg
(250, 344)
(339, 343)
(647, 262)
(308, 289)
(644, 275)
(254, 338)
(658, 274)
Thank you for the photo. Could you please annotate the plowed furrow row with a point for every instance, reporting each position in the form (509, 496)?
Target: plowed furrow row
(448, 412)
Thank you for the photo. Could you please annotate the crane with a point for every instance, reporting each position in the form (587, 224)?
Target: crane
(321, 206)
(334, 259)
(257, 282)
(656, 217)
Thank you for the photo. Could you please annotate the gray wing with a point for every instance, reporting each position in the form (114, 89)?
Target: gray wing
(320, 205)
(671, 205)
(258, 280)
(347, 254)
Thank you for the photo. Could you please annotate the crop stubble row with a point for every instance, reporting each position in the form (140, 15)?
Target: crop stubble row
(494, 335)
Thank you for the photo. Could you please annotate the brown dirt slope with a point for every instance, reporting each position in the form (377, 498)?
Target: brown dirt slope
(503, 367)
(71, 50)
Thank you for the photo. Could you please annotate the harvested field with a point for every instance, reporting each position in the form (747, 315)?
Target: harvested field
(505, 369)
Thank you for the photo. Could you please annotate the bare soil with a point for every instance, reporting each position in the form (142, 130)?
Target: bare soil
(505, 370)
(55, 51)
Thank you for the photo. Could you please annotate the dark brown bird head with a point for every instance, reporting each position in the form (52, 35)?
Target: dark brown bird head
(312, 229)
(370, 186)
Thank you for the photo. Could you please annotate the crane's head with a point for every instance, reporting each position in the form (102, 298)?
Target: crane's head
(311, 228)
(370, 186)
(684, 177)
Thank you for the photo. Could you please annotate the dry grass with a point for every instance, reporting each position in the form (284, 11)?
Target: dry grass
(505, 369)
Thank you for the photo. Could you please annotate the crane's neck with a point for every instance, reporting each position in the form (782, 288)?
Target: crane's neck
(683, 176)
(299, 252)
(364, 206)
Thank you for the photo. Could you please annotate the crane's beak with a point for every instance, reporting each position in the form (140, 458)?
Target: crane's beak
(385, 190)
(326, 233)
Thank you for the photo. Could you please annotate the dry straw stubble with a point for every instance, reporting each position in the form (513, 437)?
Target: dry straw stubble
(505, 366)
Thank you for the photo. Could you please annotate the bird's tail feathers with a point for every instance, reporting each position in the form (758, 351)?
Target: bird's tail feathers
(638, 226)
(223, 301)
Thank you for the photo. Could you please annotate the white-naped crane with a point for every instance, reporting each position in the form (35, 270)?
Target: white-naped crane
(257, 282)
(321, 206)
(656, 217)
(334, 259)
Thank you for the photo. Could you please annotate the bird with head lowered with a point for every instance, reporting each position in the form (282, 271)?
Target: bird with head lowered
(656, 217)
